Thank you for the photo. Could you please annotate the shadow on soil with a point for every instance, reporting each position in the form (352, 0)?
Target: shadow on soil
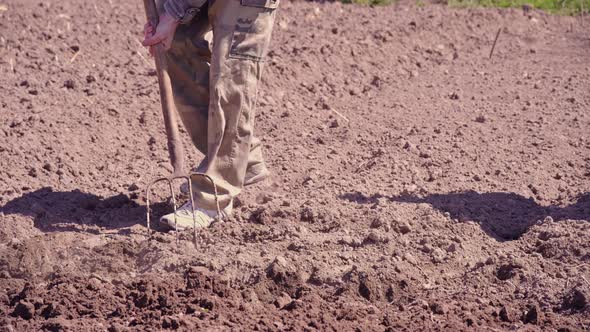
(504, 216)
(55, 211)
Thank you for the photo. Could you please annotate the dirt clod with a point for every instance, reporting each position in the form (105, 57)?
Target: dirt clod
(575, 300)
(24, 309)
(506, 315)
(507, 271)
(70, 84)
(532, 315)
(404, 228)
(437, 308)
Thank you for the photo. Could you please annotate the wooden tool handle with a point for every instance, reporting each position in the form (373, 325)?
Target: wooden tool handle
(175, 148)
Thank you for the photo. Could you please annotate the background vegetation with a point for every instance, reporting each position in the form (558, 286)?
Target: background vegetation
(564, 7)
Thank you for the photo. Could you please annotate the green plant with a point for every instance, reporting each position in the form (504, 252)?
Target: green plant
(566, 7)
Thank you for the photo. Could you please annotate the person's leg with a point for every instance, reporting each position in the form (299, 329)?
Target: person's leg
(189, 60)
(241, 35)
(188, 66)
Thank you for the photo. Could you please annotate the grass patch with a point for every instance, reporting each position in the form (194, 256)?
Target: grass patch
(369, 2)
(564, 7)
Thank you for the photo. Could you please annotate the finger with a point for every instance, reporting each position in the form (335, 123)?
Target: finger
(147, 34)
(148, 29)
(145, 30)
(153, 40)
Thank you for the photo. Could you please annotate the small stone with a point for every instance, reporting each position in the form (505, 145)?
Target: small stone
(438, 255)
(404, 228)
(424, 154)
(376, 223)
(48, 167)
(94, 284)
(427, 248)
(133, 187)
(480, 119)
(452, 248)
(281, 261)
(33, 172)
(437, 308)
(282, 300)
(70, 84)
(350, 241)
(374, 238)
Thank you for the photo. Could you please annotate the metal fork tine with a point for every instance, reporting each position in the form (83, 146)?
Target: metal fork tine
(188, 178)
(175, 208)
(192, 199)
(148, 195)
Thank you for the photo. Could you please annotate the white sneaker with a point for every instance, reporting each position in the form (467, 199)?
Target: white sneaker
(202, 218)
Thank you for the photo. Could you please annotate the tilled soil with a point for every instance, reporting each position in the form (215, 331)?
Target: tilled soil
(417, 183)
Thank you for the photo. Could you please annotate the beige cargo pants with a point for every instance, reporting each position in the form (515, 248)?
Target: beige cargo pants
(215, 64)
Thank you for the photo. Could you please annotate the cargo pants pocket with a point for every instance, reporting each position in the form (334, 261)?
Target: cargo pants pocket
(253, 29)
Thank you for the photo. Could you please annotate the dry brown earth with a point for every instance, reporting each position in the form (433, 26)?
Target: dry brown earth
(418, 185)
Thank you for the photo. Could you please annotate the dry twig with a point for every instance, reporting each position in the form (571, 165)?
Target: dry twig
(339, 114)
(495, 40)
(74, 56)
